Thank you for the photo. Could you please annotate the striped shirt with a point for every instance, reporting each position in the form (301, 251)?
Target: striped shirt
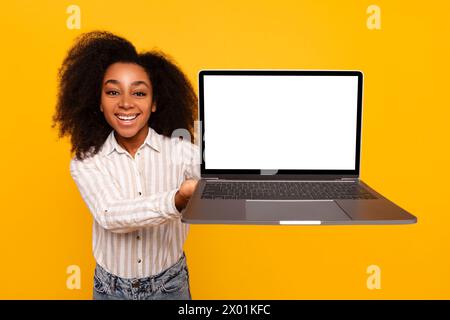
(137, 230)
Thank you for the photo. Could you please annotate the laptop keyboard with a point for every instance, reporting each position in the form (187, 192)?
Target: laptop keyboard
(285, 190)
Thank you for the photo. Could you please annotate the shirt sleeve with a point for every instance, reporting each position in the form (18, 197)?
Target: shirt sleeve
(111, 209)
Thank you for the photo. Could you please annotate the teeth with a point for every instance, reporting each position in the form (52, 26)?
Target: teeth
(127, 118)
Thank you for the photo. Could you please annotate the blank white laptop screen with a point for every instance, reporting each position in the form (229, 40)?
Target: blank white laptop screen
(264, 122)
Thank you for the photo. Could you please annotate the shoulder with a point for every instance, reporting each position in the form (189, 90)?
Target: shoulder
(180, 149)
(185, 146)
(91, 158)
(175, 142)
(88, 162)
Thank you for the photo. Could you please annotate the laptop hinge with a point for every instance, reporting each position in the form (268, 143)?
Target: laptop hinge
(348, 179)
(211, 178)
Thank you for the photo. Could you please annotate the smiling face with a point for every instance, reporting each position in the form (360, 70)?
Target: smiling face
(127, 100)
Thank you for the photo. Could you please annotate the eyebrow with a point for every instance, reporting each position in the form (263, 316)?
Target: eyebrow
(134, 83)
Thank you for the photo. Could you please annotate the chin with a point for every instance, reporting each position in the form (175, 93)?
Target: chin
(130, 133)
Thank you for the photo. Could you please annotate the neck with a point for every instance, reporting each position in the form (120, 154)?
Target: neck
(133, 143)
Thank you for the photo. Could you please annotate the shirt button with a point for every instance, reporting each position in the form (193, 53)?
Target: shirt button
(139, 260)
(138, 237)
(140, 193)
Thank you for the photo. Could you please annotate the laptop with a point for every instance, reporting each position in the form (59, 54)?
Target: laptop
(283, 147)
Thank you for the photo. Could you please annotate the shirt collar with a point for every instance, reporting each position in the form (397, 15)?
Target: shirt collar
(152, 140)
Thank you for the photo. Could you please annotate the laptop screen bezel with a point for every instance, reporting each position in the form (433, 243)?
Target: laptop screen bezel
(282, 173)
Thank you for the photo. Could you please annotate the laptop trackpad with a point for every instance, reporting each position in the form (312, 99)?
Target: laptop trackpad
(279, 210)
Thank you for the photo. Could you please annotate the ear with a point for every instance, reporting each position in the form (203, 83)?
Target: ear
(153, 107)
(101, 108)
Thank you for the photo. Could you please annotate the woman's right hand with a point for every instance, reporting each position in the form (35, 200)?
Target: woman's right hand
(184, 193)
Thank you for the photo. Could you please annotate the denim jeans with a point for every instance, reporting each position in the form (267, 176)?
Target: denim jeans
(170, 284)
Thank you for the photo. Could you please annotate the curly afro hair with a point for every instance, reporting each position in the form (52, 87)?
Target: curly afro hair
(80, 83)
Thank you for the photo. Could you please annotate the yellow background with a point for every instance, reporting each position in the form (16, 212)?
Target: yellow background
(45, 225)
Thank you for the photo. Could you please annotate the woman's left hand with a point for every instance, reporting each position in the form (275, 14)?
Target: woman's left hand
(184, 193)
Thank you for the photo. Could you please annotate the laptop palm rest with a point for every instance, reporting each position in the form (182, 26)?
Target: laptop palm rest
(293, 210)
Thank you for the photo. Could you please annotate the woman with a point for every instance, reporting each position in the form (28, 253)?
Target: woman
(120, 108)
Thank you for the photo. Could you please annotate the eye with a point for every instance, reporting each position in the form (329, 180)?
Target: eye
(140, 94)
(110, 92)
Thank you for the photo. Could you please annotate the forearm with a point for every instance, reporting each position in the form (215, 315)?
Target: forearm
(117, 213)
(122, 216)
(130, 225)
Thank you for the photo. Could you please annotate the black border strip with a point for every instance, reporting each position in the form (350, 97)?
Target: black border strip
(282, 174)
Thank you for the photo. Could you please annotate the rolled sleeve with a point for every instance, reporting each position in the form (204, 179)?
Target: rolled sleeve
(111, 209)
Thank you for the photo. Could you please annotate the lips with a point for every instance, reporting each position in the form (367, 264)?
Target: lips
(127, 118)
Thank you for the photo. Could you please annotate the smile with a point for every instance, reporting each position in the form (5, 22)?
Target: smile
(127, 118)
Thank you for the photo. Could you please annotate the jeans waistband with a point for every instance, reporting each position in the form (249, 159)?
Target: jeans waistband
(112, 281)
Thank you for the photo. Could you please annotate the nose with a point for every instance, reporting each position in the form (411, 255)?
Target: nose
(125, 102)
